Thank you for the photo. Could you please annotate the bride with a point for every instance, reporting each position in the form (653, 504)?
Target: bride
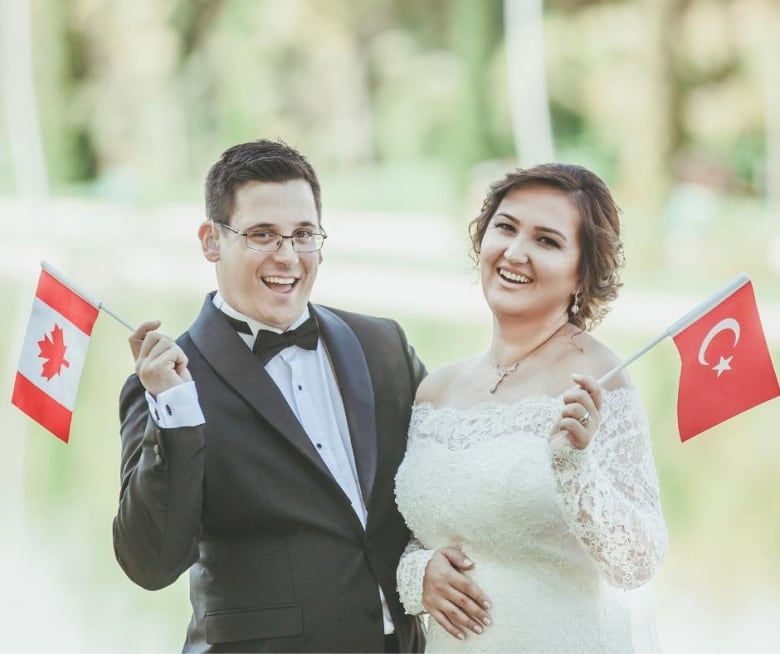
(531, 490)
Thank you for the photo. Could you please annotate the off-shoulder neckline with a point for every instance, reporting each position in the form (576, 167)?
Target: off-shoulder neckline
(538, 398)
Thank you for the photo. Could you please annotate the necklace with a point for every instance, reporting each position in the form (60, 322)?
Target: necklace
(503, 374)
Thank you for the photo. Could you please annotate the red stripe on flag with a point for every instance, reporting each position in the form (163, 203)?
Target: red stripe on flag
(66, 302)
(41, 407)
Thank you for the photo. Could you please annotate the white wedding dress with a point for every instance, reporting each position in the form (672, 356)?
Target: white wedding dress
(558, 535)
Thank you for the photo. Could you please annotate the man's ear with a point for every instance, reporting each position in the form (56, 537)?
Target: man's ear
(209, 241)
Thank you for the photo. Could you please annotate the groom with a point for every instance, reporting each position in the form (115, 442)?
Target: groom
(259, 449)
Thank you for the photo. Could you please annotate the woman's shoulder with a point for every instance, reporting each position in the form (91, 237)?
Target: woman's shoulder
(591, 356)
(439, 382)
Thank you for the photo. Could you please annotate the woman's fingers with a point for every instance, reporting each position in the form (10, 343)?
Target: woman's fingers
(451, 597)
(580, 416)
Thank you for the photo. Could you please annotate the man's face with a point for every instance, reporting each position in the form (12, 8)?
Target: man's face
(271, 287)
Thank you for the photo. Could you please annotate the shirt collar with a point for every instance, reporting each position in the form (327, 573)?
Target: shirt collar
(254, 325)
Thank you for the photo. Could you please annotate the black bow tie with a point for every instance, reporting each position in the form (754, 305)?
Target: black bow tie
(268, 344)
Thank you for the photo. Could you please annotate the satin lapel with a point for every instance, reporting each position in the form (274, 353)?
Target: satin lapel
(357, 393)
(228, 355)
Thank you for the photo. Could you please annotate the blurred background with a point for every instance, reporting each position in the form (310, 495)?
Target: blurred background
(112, 112)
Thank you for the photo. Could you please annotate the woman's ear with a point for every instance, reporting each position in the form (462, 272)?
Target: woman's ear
(209, 241)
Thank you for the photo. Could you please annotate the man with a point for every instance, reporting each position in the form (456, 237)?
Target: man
(263, 463)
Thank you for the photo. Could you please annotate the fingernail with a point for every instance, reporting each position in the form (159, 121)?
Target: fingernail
(461, 637)
(486, 622)
(486, 605)
(478, 629)
(468, 561)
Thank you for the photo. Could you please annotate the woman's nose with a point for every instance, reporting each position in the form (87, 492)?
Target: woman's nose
(516, 252)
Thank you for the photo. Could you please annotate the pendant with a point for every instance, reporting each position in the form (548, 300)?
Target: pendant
(502, 374)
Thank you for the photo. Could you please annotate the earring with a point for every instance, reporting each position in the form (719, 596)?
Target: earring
(575, 307)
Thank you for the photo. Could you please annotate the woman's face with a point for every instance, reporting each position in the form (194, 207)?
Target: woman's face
(530, 253)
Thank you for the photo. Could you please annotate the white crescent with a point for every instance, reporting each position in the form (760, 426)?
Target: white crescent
(723, 325)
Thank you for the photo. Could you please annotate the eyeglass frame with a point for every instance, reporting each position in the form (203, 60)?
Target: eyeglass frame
(281, 237)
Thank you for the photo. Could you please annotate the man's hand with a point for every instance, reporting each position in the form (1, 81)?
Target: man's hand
(159, 363)
(451, 597)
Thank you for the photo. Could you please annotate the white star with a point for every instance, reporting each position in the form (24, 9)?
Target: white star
(723, 365)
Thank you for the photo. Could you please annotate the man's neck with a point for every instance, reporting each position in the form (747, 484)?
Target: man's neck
(254, 325)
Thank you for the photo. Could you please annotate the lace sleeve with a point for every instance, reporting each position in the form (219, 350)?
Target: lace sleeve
(609, 493)
(410, 574)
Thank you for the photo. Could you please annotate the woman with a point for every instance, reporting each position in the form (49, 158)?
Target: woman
(524, 481)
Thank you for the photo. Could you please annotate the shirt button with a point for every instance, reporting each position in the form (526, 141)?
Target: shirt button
(319, 446)
(300, 388)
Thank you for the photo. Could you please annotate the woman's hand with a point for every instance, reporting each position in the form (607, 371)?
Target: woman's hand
(451, 597)
(581, 414)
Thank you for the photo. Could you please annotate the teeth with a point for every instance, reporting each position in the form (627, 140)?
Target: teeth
(279, 280)
(512, 277)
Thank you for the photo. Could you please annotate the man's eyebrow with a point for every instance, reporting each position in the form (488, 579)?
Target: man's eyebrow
(275, 227)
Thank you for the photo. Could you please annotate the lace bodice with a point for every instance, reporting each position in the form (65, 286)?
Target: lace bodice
(547, 523)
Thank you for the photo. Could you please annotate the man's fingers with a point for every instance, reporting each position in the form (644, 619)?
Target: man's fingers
(137, 338)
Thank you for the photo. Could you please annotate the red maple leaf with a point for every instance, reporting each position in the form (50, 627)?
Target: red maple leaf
(53, 350)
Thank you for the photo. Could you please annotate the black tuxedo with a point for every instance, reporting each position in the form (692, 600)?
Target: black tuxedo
(278, 558)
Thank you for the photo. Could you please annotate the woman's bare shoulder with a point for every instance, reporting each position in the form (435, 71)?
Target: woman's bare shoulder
(440, 381)
(593, 357)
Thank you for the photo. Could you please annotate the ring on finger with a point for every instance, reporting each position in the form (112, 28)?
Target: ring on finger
(585, 419)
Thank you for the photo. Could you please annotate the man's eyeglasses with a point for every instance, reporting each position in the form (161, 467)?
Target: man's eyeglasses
(264, 240)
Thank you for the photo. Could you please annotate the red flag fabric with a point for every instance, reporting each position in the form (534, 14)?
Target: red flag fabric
(53, 355)
(726, 367)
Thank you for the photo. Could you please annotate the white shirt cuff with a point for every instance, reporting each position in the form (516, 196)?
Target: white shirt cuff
(176, 407)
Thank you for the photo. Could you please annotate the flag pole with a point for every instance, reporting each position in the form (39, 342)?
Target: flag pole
(675, 328)
(95, 302)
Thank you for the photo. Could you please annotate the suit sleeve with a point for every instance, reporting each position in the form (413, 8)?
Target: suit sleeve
(416, 367)
(157, 525)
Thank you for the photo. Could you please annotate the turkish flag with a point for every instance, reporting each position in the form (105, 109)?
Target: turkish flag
(53, 355)
(726, 368)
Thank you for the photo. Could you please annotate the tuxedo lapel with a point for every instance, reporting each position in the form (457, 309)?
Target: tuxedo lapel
(357, 393)
(230, 358)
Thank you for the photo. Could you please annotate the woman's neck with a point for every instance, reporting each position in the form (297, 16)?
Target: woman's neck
(515, 340)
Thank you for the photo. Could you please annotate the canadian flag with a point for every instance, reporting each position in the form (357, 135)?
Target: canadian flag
(726, 367)
(53, 354)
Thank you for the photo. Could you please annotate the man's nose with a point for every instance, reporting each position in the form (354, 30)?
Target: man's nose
(286, 252)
